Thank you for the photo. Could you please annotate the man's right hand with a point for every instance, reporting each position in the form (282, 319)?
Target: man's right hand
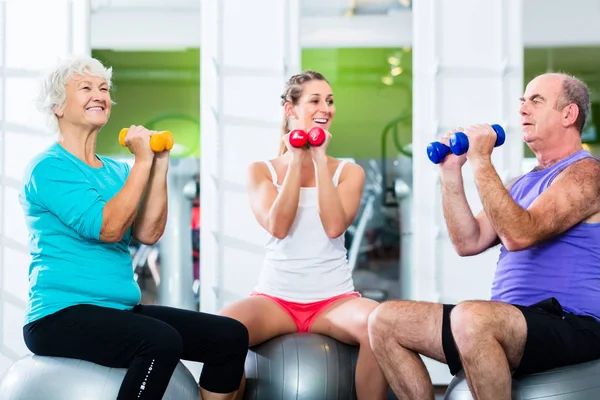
(452, 162)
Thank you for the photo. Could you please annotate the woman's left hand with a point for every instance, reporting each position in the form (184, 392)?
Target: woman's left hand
(320, 152)
(162, 154)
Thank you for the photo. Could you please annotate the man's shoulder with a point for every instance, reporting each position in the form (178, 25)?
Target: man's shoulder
(585, 171)
(580, 184)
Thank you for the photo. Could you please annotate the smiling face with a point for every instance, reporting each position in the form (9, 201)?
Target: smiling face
(307, 102)
(88, 102)
(315, 106)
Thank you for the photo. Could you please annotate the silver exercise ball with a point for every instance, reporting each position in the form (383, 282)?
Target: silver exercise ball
(301, 366)
(55, 378)
(576, 382)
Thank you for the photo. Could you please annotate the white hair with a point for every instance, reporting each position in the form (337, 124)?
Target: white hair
(53, 91)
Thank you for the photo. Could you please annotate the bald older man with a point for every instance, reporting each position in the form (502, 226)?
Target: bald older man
(544, 310)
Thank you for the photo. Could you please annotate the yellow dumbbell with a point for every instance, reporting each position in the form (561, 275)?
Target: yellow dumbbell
(160, 141)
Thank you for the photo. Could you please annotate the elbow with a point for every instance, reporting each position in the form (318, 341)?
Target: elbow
(468, 248)
(516, 244)
(111, 231)
(465, 251)
(462, 252)
(278, 228)
(149, 237)
(148, 240)
(278, 232)
(335, 231)
(111, 236)
(336, 227)
(519, 241)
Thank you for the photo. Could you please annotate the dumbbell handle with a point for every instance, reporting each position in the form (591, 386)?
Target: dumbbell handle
(459, 144)
(160, 141)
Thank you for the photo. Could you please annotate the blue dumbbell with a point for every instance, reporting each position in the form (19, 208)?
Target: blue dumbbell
(459, 144)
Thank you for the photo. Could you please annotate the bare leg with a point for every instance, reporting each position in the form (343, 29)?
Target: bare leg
(490, 337)
(264, 320)
(399, 331)
(239, 394)
(205, 395)
(346, 321)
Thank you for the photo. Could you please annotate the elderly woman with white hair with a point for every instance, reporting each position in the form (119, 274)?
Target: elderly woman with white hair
(81, 210)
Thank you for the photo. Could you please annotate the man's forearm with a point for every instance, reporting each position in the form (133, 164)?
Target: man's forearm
(510, 220)
(462, 225)
(152, 218)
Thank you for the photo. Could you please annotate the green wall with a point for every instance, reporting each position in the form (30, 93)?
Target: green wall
(368, 95)
(150, 85)
(139, 103)
(372, 88)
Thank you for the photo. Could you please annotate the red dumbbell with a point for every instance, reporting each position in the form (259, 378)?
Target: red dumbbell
(298, 138)
(316, 136)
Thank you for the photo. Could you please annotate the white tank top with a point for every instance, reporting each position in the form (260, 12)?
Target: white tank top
(306, 265)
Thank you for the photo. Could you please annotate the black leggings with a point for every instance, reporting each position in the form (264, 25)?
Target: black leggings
(149, 341)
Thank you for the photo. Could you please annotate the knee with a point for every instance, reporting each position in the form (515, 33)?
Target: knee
(361, 326)
(379, 323)
(235, 336)
(469, 320)
(163, 341)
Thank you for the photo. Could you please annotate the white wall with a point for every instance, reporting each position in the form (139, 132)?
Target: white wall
(545, 23)
(459, 59)
(24, 53)
(236, 132)
(465, 51)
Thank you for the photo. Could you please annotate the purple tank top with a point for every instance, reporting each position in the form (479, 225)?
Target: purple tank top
(566, 267)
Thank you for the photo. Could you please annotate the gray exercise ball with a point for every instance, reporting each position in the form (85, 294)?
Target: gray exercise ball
(55, 378)
(576, 382)
(302, 366)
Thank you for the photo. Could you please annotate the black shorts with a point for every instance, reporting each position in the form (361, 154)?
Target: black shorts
(554, 338)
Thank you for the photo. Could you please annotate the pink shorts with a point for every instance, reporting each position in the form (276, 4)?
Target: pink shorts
(304, 314)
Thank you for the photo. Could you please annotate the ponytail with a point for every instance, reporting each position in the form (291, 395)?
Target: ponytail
(284, 131)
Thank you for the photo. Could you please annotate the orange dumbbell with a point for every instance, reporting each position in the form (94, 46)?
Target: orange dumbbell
(160, 141)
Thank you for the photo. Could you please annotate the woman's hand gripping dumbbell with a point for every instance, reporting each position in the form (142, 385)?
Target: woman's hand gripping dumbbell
(159, 141)
(315, 137)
